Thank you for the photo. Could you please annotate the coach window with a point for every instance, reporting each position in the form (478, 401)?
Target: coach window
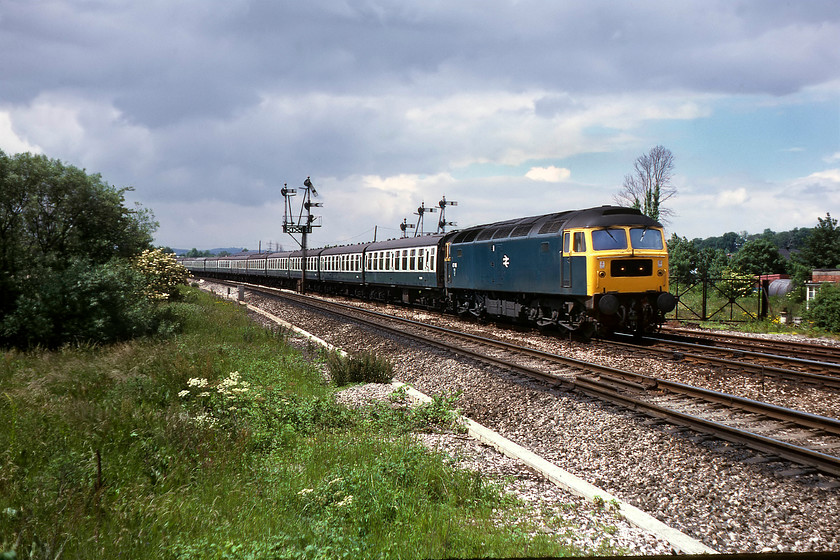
(411, 261)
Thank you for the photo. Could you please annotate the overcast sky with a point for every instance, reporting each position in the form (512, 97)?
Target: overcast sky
(512, 108)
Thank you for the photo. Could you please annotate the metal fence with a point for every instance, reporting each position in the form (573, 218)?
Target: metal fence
(714, 299)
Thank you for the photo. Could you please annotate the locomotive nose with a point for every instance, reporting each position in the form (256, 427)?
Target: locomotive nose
(666, 302)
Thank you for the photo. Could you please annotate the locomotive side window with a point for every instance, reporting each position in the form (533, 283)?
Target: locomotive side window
(567, 243)
(609, 239)
(580, 242)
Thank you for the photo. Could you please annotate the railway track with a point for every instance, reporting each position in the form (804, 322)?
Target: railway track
(808, 351)
(797, 370)
(806, 439)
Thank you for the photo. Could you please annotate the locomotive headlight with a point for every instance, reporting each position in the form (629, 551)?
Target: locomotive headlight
(661, 272)
(601, 273)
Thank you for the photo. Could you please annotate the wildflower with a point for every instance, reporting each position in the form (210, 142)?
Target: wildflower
(345, 502)
(183, 393)
(305, 491)
(197, 382)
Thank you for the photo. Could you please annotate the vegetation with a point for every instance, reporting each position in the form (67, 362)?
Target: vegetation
(824, 311)
(364, 367)
(729, 262)
(66, 238)
(224, 442)
(162, 273)
(649, 186)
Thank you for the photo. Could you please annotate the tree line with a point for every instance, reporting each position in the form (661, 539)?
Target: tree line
(795, 253)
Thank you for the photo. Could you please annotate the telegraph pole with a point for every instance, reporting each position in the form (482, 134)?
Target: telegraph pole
(304, 223)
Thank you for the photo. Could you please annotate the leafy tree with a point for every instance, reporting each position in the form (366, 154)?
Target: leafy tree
(822, 248)
(682, 259)
(712, 263)
(688, 264)
(729, 242)
(649, 186)
(195, 253)
(824, 310)
(57, 225)
(759, 256)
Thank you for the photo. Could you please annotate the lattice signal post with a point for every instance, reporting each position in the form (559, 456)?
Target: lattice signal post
(304, 222)
(442, 223)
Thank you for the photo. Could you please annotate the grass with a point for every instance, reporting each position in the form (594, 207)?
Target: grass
(224, 442)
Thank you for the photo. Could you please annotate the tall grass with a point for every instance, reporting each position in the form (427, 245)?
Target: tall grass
(223, 442)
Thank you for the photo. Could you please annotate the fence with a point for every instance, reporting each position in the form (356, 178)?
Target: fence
(717, 299)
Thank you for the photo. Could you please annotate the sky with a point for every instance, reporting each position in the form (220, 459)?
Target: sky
(512, 108)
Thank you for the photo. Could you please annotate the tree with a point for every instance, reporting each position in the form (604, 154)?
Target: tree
(57, 225)
(650, 185)
(682, 259)
(824, 310)
(822, 248)
(759, 256)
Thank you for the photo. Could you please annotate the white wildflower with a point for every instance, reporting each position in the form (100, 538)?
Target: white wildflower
(183, 393)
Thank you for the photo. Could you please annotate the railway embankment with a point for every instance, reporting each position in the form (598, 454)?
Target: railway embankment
(224, 440)
(729, 497)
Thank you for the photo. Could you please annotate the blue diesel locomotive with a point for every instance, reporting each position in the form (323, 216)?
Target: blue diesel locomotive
(599, 269)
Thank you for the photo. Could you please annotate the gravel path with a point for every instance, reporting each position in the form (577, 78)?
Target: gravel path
(711, 490)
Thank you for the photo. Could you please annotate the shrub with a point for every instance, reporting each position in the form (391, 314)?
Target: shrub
(364, 367)
(84, 303)
(162, 273)
(824, 310)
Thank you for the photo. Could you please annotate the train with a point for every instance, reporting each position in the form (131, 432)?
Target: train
(590, 271)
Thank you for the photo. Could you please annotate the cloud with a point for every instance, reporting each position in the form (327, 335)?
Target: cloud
(10, 142)
(208, 108)
(734, 197)
(549, 174)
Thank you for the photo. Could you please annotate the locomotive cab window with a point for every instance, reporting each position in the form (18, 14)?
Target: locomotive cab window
(646, 238)
(609, 239)
(575, 241)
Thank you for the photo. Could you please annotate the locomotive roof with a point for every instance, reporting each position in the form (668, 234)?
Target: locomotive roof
(547, 224)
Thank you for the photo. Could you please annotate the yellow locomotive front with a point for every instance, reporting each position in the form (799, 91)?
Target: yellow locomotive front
(626, 275)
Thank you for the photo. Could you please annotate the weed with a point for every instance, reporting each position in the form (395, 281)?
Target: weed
(363, 367)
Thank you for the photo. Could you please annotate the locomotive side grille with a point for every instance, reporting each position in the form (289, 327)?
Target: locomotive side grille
(631, 267)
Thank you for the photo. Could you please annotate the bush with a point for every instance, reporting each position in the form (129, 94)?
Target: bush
(824, 310)
(162, 271)
(364, 367)
(84, 303)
